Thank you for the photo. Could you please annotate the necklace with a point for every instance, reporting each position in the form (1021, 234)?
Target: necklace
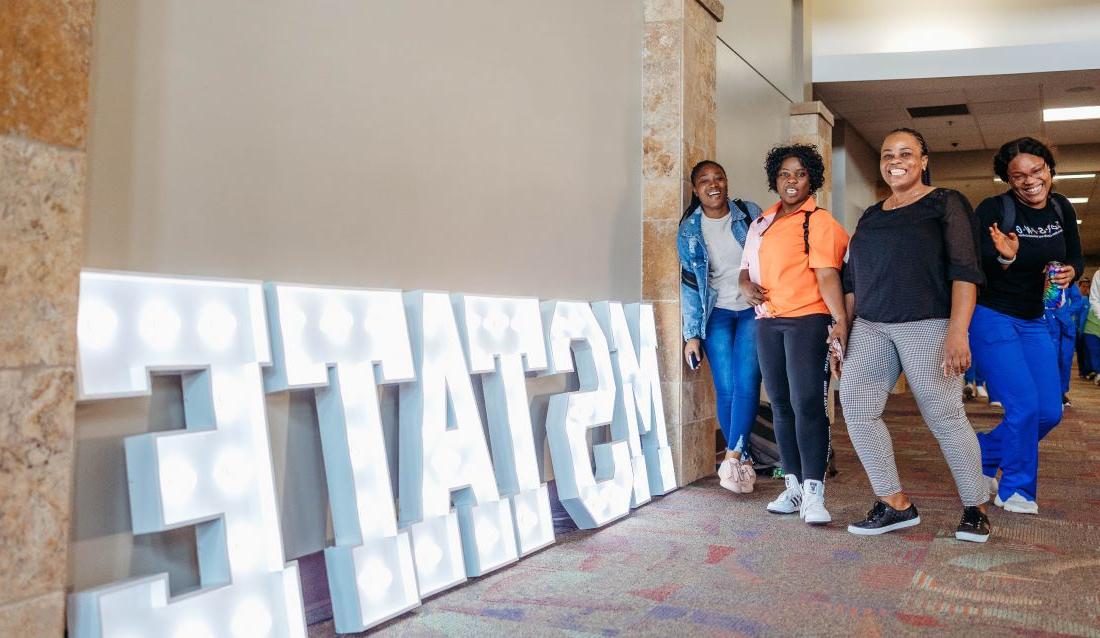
(902, 201)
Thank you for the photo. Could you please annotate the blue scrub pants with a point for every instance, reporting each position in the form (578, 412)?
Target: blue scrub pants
(1063, 333)
(731, 347)
(1020, 362)
(1092, 350)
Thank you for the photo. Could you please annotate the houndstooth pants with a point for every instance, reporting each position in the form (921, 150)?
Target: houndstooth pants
(877, 354)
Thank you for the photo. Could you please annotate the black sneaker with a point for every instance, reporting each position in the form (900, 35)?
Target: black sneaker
(882, 518)
(974, 526)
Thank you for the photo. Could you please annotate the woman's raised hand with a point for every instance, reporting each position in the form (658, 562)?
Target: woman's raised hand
(1006, 245)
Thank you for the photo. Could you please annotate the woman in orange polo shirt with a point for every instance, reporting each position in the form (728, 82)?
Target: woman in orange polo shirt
(791, 274)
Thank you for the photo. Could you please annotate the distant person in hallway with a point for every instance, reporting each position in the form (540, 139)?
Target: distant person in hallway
(1080, 311)
(717, 319)
(911, 282)
(1026, 231)
(1092, 328)
(790, 272)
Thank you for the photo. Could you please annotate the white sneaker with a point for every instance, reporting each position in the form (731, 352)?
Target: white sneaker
(981, 391)
(747, 474)
(993, 484)
(727, 475)
(813, 503)
(789, 501)
(1017, 504)
(996, 404)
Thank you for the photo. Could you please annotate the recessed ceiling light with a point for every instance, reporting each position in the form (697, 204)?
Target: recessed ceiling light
(1078, 200)
(1071, 113)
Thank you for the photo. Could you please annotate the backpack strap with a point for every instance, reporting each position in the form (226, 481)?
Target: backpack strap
(1057, 209)
(744, 209)
(1008, 213)
(806, 229)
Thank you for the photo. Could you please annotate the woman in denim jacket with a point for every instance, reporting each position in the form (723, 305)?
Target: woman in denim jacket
(716, 317)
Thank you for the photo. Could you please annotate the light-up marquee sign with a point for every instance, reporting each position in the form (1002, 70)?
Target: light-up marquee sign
(468, 503)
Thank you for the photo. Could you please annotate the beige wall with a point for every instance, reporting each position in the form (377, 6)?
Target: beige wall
(763, 34)
(472, 145)
(759, 77)
(855, 175)
(465, 145)
(869, 26)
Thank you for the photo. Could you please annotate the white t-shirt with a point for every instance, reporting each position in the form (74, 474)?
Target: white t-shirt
(724, 256)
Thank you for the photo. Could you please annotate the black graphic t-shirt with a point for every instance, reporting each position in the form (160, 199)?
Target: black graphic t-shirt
(1018, 290)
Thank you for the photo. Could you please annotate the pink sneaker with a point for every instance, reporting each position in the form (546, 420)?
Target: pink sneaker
(728, 475)
(747, 475)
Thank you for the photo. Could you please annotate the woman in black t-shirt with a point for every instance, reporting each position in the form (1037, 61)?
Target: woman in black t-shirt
(1026, 229)
(911, 282)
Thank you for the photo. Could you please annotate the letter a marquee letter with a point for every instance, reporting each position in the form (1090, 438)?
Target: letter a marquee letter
(443, 450)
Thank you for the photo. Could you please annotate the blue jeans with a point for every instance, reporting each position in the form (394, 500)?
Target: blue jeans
(731, 347)
(1063, 333)
(1020, 362)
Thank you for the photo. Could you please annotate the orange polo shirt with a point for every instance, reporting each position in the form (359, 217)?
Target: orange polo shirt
(786, 271)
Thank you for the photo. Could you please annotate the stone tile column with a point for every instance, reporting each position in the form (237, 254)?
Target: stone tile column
(44, 64)
(679, 110)
(812, 123)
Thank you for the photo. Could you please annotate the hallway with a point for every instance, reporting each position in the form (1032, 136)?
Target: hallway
(704, 562)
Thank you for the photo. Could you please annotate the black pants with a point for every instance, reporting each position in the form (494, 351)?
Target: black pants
(792, 360)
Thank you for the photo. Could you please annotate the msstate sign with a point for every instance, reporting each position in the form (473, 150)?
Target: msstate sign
(467, 504)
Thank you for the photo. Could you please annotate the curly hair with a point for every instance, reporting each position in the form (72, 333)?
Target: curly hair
(806, 154)
(1010, 150)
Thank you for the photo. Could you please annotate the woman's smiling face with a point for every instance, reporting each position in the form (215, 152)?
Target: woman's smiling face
(1030, 178)
(901, 161)
(711, 187)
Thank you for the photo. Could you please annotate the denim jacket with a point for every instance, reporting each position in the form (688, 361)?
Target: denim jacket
(696, 298)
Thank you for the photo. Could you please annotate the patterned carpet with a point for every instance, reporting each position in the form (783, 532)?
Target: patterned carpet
(704, 562)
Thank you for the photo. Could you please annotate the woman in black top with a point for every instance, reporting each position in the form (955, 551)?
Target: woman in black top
(1026, 229)
(911, 283)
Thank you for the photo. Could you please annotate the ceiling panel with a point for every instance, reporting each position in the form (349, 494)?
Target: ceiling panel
(995, 107)
(1080, 132)
(1024, 120)
(993, 91)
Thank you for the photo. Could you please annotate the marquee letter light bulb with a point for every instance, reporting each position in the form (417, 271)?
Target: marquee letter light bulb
(344, 343)
(592, 499)
(503, 340)
(179, 478)
(443, 454)
(624, 364)
(648, 397)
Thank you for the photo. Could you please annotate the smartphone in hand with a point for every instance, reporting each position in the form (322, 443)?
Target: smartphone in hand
(838, 350)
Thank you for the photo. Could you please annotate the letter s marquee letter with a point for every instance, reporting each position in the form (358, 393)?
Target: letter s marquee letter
(216, 475)
(592, 499)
